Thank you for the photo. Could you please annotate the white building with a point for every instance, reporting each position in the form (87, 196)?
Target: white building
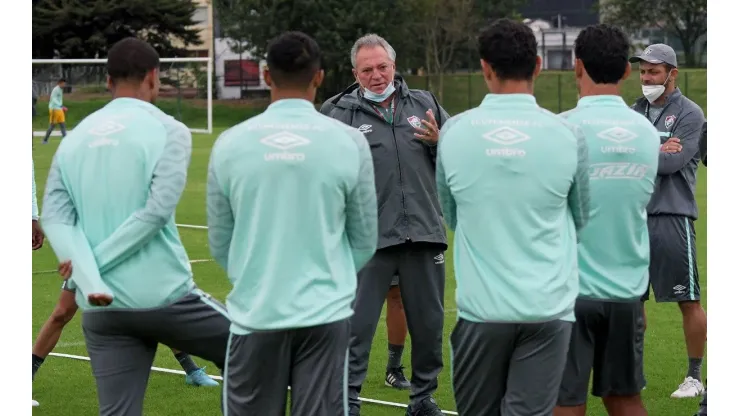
(554, 46)
(557, 46)
(229, 75)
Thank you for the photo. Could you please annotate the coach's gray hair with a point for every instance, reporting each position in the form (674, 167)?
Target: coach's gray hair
(371, 40)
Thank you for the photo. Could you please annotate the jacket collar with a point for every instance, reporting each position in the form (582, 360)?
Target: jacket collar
(350, 98)
(676, 95)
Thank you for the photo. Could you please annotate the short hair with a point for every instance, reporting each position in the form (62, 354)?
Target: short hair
(61, 80)
(131, 59)
(510, 48)
(370, 41)
(604, 51)
(293, 59)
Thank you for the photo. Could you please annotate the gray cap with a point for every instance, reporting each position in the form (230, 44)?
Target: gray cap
(657, 54)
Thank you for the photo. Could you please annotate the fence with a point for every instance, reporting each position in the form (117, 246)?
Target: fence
(554, 90)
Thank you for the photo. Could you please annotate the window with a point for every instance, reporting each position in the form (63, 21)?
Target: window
(198, 53)
(559, 59)
(249, 73)
(200, 17)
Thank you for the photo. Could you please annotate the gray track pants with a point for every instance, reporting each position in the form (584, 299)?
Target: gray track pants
(421, 271)
(122, 344)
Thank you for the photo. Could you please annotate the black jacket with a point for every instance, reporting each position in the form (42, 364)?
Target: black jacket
(676, 181)
(408, 207)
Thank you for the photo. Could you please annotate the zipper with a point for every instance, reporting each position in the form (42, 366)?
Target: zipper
(398, 160)
(400, 175)
(400, 181)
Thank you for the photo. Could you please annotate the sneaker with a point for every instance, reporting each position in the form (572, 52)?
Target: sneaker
(34, 403)
(428, 407)
(200, 378)
(690, 387)
(395, 378)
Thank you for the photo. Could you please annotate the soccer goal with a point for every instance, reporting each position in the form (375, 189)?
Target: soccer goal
(186, 91)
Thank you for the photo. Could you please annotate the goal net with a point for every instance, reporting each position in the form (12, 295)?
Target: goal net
(185, 91)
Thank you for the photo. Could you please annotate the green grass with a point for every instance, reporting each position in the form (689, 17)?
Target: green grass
(66, 387)
(555, 91)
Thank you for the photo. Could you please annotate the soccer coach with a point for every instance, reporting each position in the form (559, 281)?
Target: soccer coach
(402, 128)
(674, 274)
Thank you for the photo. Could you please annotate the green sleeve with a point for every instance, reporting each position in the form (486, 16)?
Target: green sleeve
(220, 215)
(66, 237)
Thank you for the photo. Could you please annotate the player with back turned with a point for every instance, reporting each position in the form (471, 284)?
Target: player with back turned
(292, 216)
(614, 249)
(513, 182)
(108, 213)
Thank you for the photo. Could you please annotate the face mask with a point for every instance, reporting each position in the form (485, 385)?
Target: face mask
(379, 98)
(653, 92)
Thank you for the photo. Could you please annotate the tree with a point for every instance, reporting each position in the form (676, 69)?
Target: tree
(335, 24)
(452, 25)
(87, 28)
(686, 19)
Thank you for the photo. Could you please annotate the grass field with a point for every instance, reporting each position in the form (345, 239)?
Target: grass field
(65, 387)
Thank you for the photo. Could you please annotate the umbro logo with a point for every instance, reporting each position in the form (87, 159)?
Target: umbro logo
(365, 128)
(506, 136)
(617, 135)
(439, 258)
(679, 289)
(106, 128)
(285, 140)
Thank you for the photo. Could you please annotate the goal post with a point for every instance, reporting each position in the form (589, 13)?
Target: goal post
(186, 91)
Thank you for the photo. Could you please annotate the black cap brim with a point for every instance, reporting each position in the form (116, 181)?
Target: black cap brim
(641, 58)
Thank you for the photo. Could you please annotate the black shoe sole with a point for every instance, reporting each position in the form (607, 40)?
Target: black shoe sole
(387, 384)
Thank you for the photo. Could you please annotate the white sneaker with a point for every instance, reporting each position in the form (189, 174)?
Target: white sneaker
(690, 387)
(34, 403)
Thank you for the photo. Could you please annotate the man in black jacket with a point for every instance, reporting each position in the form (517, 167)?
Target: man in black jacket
(674, 273)
(402, 127)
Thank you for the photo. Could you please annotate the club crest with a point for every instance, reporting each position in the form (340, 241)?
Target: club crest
(414, 121)
(669, 121)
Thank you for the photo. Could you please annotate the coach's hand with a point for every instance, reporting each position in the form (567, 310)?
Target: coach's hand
(37, 235)
(672, 145)
(430, 134)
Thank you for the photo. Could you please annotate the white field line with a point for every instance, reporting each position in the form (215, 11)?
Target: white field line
(180, 372)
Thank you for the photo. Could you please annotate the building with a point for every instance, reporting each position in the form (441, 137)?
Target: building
(556, 24)
(562, 13)
(234, 69)
(554, 46)
(203, 21)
